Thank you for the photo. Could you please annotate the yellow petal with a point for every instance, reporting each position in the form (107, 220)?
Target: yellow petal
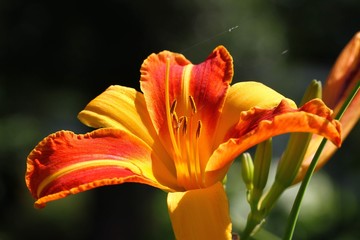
(200, 214)
(241, 97)
(124, 108)
(120, 107)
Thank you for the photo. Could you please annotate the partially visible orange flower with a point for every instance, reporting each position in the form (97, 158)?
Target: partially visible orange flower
(180, 135)
(342, 79)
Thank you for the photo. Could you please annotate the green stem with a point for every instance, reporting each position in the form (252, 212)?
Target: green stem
(294, 214)
(253, 223)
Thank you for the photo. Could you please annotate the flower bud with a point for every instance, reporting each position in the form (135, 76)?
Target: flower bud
(247, 170)
(262, 163)
(293, 156)
(314, 90)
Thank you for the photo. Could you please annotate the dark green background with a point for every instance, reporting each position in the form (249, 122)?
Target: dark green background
(55, 56)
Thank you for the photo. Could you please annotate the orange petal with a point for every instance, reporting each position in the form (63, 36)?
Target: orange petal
(344, 74)
(200, 214)
(257, 125)
(65, 163)
(348, 121)
(206, 83)
(343, 77)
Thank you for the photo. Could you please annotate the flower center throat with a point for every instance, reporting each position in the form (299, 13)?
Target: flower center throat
(184, 131)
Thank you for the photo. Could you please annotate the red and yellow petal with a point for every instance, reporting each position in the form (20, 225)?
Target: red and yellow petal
(210, 83)
(206, 83)
(124, 108)
(257, 125)
(241, 97)
(152, 83)
(65, 163)
(200, 214)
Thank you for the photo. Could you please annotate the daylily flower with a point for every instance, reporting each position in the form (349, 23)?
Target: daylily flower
(343, 77)
(180, 134)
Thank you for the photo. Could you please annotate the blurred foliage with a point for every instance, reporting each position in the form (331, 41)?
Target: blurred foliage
(56, 56)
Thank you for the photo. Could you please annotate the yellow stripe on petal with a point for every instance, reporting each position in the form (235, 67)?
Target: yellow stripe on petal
(42, 201)
(66, 163)
(200, 214)
(87, 165)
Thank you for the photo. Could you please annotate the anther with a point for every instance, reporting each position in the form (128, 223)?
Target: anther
(173, 106)
(192, 103)
(185, 122)
(181, 119)
(198, 130)
(175, 121)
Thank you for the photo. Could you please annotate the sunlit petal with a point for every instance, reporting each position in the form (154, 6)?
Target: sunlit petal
(124, 108)
(65, 163)
(200, 214)
(120, 107)
(257, 125)
(153, 76)
(206, 83)
(241, 97)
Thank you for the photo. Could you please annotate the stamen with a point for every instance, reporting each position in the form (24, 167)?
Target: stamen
(182, 137)
(198, 130)
(181, 119)
(185, 123)
(198, 172)
(173, 106)
(176, 123)
(192, 103)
